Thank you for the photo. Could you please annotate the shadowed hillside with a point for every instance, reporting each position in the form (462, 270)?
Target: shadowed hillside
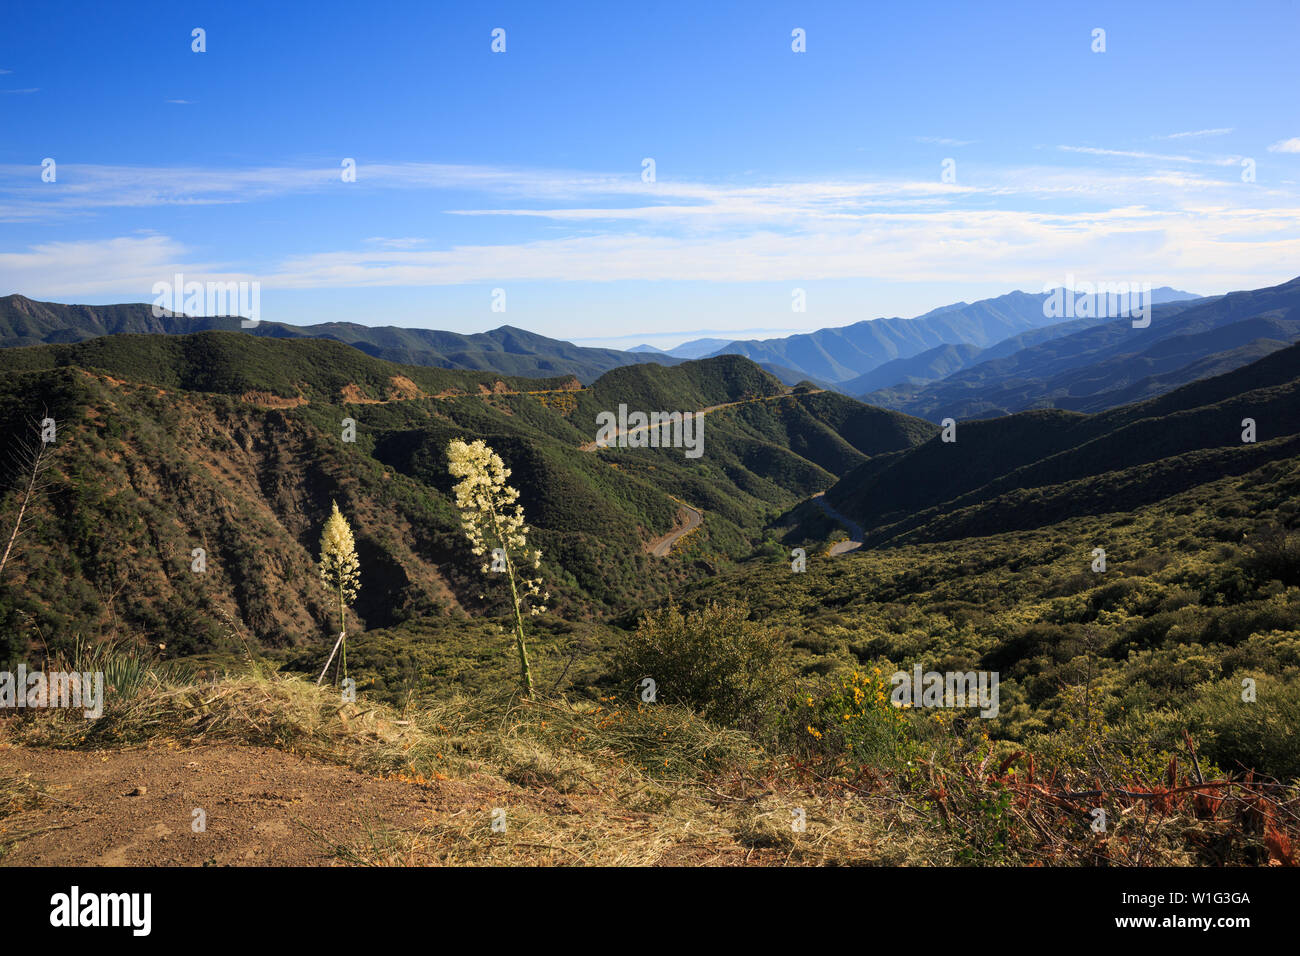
(1036, 468)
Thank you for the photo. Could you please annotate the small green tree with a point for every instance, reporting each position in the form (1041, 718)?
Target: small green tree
(494, 524)
(341, 571)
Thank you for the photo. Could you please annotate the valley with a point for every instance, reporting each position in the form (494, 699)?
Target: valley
(970, 556)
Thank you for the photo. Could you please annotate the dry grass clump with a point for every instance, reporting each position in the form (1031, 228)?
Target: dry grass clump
(17, 794)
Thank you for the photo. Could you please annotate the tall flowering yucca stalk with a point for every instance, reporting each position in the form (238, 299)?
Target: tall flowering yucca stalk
(494, 524)
(341, 571)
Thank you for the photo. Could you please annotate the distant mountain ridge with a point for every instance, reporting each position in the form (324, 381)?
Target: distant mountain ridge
(698, 348)
(852, 359)
(507, 350)
(1100, 365)
(843, 354)
(938, 362)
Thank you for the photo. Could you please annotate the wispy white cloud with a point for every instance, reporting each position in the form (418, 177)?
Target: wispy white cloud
(944, 141)
(939, 246)
(407, 242)
(1204, 246)
(1180, 226)
(1291, 145)
(86, 188)
(127, 266)
(1196, 133)
(1158, 157)
(559, 195)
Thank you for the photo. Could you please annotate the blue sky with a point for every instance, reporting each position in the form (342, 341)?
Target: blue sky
(522, 170)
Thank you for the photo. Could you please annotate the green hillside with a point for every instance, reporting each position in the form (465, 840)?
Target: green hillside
(234, 444)
(1201, 591)
(1036, 468)
(506, 350)
(232, 363)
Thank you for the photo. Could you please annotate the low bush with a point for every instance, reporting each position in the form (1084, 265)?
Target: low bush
(716, 660)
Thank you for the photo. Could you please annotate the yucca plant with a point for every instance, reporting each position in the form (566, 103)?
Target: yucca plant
(494, 523)
(340, 569)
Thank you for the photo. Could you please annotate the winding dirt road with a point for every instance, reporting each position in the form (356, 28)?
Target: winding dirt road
(856, 533)
(660, 547)
(692, 518)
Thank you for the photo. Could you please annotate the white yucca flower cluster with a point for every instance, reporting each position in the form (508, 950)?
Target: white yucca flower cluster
(339, 567)
(491, 514)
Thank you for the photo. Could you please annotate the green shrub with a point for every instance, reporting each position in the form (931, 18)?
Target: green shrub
(715, 660)
(1259, 735)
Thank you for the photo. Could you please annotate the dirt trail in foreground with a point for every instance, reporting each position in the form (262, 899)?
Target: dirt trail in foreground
(264, 807)
(267, 807)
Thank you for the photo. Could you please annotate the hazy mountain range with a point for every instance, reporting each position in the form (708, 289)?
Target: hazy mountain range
(841, 355)
(965, 360)
(1109, 363)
